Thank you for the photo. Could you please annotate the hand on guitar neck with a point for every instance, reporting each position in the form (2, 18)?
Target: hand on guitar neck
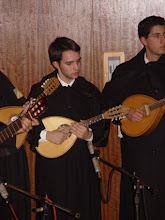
(80, 130)
(27, 123)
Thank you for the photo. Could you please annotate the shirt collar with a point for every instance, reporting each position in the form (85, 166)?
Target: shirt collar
(64, 83)
(145, 59)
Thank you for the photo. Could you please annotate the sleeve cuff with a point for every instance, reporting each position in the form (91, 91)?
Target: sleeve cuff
(43, 136)
(91, 138)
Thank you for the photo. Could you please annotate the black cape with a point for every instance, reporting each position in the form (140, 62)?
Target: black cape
(13, 162)
(144, 155)
(70, 180)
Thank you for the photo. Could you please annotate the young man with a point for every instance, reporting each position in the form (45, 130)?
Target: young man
(144, 155)
(69, 179)
(13, 162)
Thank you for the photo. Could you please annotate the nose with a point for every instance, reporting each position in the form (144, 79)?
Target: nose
(163, 38)
(76, 66)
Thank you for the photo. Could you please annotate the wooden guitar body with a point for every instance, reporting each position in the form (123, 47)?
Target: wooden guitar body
(50, 150)
(148, 124)
(7, 114)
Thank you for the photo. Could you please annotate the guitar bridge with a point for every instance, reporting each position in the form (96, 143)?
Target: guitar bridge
(147, 110)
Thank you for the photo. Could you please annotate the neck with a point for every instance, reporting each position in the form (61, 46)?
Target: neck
(152, 57)
(63, 80)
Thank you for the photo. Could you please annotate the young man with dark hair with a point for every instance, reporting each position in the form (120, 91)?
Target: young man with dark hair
(143, 75)
(69, 179)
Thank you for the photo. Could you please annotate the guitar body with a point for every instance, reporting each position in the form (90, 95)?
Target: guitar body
(50, 150)
(6, 115)
(148, 124)
(35, 108)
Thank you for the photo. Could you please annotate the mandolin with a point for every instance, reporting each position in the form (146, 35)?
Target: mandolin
(36, 108)
(153, 109)
(50, 150)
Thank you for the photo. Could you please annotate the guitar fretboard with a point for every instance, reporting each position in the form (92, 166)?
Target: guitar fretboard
(93, 120)
(10, 130)
(157, 104)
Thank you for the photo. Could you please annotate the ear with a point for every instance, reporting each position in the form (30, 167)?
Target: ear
(56, 65)
(143, 41)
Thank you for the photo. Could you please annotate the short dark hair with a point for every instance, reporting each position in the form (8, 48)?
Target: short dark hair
(59, 45)
(146, 24)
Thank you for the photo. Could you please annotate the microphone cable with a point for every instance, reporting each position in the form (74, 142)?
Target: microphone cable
(54, 209)
(108, 195)
(12, 210)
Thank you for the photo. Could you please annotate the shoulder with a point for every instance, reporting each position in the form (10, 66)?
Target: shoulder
(5, 84)
(83, 83)
(130, 67)
(5, 79)
(87, 89)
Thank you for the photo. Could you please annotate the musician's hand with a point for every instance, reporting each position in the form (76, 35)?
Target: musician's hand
(135, 115)
(26, 125)
(80, 131)
(57, 136)
(35, 122)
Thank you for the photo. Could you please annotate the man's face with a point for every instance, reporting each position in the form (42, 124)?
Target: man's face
(155, 43)
(69, 67)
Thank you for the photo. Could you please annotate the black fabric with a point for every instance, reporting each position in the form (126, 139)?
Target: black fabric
(144, 155)
(13, 162)
(70, 180)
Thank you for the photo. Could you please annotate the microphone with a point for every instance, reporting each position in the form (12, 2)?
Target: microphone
(94, 159)
(3, 191)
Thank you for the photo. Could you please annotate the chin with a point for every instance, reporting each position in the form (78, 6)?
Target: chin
(75, 76)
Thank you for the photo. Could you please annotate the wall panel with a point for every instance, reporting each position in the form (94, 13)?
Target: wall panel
(28, 27)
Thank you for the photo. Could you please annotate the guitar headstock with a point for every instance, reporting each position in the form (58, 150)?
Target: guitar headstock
(50, 85)
(117, 112)
(37, 107)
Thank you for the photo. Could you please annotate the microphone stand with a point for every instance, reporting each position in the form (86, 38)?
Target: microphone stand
(138, 184)
(44, 202)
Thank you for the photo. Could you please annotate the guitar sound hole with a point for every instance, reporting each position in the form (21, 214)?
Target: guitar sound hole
(14, 118)
(65, 128)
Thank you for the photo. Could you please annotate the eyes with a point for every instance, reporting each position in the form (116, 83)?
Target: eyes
(158, 35)
(71, 62)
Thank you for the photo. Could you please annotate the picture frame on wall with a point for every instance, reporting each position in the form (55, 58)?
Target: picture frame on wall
(110, 61)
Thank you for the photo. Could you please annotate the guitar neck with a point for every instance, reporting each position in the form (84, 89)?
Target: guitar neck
(92, 120)
(11, 129)
(157, 104)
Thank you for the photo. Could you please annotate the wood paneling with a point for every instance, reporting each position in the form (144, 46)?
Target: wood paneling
(28, 27)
